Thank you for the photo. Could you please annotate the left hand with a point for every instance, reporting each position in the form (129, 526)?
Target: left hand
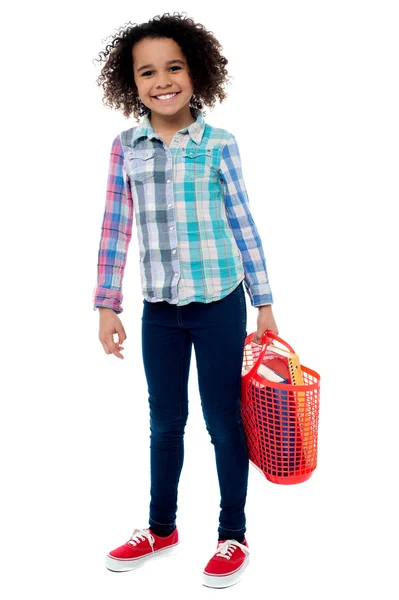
(265, 321)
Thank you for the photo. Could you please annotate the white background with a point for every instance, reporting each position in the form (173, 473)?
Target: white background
(314, 107)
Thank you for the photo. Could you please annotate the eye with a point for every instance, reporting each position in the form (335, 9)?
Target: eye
(174, 67)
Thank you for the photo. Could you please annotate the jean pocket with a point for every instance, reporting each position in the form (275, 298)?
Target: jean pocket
(141, 164)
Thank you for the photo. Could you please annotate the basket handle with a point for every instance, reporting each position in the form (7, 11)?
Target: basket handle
(270, 334)
(265, 343)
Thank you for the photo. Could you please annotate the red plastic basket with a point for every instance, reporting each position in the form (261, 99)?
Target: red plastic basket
(280, 420)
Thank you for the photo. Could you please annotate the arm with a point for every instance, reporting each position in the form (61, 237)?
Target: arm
(116, 233)
(243, 226)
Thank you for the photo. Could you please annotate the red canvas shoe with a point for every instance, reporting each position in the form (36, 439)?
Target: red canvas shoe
(227, 564)
(142, 546)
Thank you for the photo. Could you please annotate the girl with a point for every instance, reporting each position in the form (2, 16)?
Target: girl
(198, 243)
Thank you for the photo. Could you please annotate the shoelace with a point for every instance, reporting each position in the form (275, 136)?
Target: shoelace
(140, 535)
(227, 548)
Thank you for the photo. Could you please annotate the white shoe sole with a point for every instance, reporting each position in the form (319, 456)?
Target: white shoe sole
(128, 564)
(222, 581)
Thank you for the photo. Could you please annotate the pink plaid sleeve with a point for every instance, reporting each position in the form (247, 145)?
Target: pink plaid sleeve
(116, 233)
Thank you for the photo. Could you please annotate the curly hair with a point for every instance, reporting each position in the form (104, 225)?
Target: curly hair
(201, 49)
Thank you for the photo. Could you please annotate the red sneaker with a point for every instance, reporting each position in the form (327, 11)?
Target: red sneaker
(142, 546)
(227, 564)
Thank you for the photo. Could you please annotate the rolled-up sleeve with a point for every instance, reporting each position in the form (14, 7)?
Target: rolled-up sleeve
(116, 231)
(243, 226)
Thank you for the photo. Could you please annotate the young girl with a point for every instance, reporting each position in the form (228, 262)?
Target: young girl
(198, 243)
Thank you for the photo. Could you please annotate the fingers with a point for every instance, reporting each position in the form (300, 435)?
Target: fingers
(107, 332)
(111, 347)
(121, 335)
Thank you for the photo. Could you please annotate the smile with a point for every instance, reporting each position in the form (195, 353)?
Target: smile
(165, 97)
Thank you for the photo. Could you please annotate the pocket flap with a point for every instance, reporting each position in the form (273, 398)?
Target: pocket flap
(141, 154)
(196, 152)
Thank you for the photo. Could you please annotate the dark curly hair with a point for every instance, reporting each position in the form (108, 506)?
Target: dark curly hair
(201, 49)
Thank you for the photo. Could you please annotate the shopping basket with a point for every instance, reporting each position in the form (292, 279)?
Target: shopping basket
(280, 419)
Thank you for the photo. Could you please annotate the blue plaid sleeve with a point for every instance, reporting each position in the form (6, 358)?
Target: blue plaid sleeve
(238, 212)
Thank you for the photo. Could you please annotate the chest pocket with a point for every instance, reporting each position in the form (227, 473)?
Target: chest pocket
(198, 164)
(141, 164)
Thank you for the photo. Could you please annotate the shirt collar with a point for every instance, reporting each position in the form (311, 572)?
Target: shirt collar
(195, 130)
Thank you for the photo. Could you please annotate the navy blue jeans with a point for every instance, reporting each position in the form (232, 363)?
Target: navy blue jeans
(218, 332)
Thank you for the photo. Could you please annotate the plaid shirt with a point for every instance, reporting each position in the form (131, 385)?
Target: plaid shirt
(196, 236)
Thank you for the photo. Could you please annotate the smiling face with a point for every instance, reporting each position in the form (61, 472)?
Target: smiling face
(160, 68)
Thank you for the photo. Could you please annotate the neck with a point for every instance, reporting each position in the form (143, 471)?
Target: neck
(172, 123)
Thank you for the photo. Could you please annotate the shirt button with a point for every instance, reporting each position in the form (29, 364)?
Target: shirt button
(169, 181)
(173, 251)
(171, 228)
(169, 205)
(176, 274)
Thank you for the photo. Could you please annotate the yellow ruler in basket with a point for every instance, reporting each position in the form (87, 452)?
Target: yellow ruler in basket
(295, 370)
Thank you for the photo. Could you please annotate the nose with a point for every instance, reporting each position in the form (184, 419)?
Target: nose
(162, 88)
(163, 81)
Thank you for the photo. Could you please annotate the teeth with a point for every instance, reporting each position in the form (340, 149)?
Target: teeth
(165, 97)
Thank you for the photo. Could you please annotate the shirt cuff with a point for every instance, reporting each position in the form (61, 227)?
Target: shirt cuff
(260, 294)
(108, 298)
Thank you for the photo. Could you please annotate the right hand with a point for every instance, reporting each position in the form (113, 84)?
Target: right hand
(110, 324)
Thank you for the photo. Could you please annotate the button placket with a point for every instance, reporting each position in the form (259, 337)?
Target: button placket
(172, 227)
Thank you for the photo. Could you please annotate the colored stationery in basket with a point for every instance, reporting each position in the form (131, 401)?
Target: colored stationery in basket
(280, 411)
(288, 363)
(283, 430)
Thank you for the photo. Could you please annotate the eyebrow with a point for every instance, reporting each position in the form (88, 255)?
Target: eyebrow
(169, 62)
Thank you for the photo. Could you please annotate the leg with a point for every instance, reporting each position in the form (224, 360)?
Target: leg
(166, 356)
(219, 347)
